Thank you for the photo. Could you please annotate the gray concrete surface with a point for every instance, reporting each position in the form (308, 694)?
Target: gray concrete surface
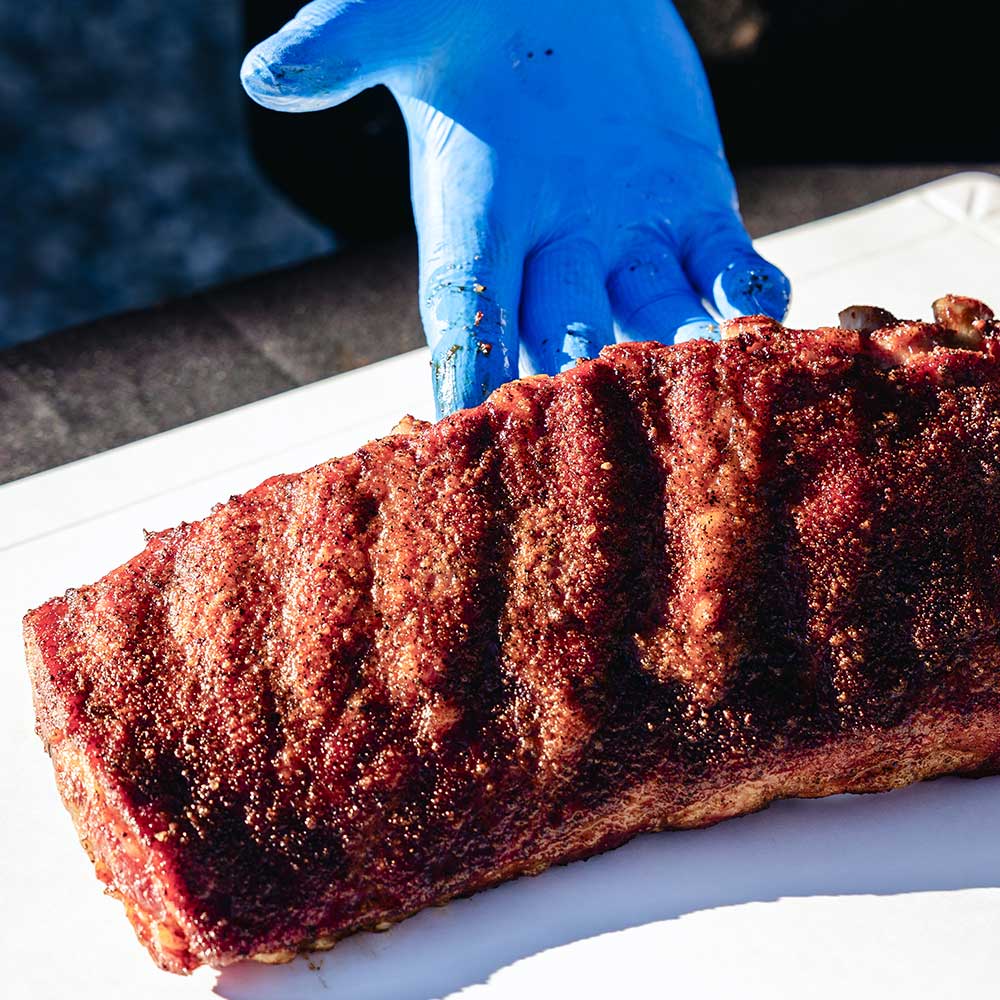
(80, 391)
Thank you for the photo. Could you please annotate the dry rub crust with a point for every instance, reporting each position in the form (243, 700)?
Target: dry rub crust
(657, 591)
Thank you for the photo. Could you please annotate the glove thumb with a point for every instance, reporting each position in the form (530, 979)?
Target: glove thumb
(330, 51)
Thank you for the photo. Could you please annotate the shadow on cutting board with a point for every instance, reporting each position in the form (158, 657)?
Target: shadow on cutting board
(937, 835)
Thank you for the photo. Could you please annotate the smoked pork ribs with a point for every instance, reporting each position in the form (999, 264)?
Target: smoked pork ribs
(658, 590)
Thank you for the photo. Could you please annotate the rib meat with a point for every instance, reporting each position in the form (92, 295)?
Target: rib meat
(659, 590)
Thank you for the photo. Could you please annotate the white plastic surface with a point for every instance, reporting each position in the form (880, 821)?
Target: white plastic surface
(873, 896)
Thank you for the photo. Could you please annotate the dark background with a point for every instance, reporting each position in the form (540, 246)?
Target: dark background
(126, 174)
(128, 182)
(856, 81)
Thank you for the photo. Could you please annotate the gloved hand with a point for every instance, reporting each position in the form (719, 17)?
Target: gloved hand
(567, 171)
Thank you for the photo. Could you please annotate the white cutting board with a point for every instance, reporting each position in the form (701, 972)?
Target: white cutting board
(869, 896)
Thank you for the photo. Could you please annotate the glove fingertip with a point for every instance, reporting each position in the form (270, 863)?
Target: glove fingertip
(749, 286)
(464, 373)
(697, 329)
(258, 79)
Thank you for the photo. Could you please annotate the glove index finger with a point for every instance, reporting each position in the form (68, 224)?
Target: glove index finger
(469, 311)
(330, 51)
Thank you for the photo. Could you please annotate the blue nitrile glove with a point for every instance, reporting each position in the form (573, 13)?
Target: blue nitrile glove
(568, 173)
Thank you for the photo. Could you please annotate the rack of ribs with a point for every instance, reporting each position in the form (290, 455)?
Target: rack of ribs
(656, 591)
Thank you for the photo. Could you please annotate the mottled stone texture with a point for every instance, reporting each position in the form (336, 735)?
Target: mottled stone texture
(125, 177)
